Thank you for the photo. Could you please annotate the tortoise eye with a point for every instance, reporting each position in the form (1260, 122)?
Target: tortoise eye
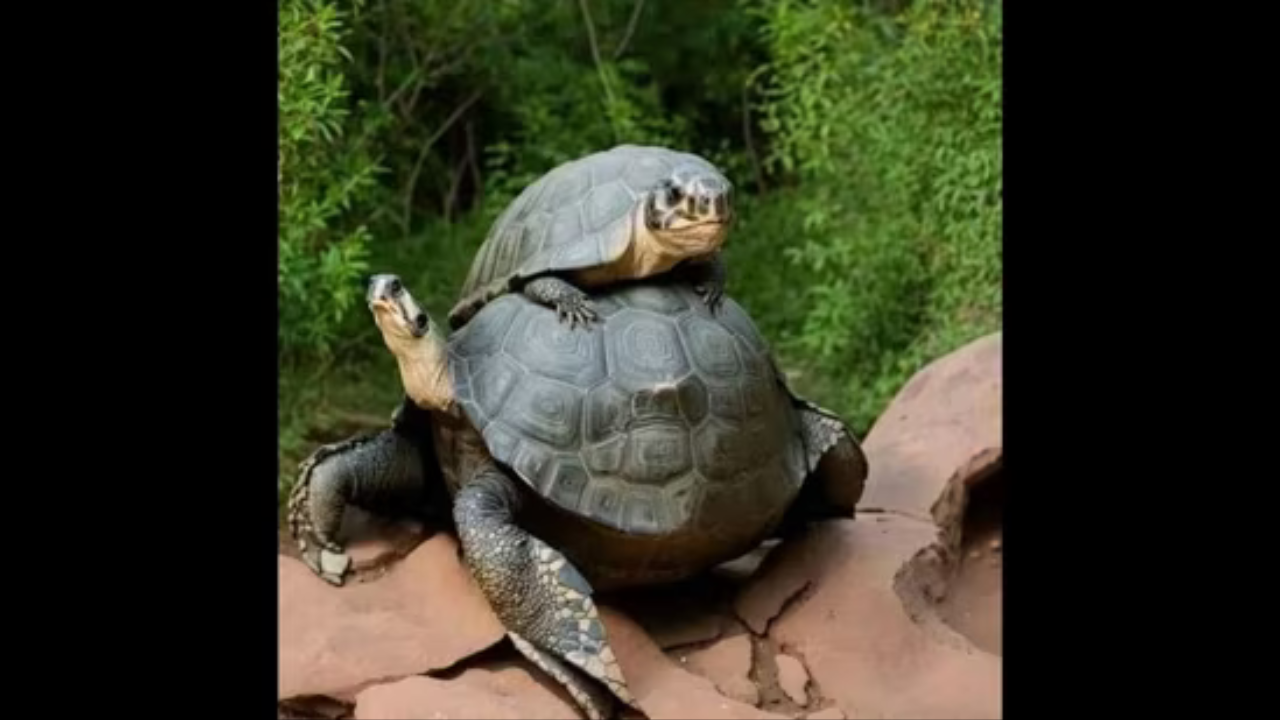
(674, 195)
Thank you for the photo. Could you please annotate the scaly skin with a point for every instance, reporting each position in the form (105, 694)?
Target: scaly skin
(540, 597)
(710, 277)
(385, 473)
(838, 470)
(570, 303)
(573, 306)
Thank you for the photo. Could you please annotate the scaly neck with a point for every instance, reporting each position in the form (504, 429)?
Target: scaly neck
(646, 255)
(424, 371)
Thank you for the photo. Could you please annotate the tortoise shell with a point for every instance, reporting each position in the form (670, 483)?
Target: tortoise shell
(576, 216)
(662, 418)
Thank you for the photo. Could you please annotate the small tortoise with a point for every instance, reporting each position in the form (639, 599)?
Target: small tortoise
(657, 445)
(626, 213)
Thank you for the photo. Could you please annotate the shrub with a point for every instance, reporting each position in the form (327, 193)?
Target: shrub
(325, 174)
(890, 126)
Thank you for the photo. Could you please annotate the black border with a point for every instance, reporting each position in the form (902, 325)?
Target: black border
(142, 529)
(1104, 362)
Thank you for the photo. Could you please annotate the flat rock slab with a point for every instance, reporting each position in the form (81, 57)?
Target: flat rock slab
(793, 679)
(861, 647)
(727, 664)
(761, 601)
(507, 692)
(663, 688)
(425, 614)
(945, 417)
(855, 600)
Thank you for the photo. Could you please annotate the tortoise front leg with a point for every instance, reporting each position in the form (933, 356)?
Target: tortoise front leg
(710, 276)
(383, 473)
(540, 597)
(569, 302)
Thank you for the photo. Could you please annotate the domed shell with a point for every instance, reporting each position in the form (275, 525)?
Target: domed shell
(663, 417)
(576, 216)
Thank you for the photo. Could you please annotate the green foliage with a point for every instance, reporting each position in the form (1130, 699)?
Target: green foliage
(323, 177)
(864, 138)
(890, 125)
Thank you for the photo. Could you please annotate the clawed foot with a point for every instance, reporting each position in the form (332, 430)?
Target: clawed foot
(329, 566)
(320, 552)
(709, 279)
(591, 697)
(712, 295)
(571, 628)
(576, 310)
(571, 304)
(374, 472)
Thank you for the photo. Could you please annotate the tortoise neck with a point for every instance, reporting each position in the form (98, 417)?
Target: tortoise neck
(424, 371)
(646, 254)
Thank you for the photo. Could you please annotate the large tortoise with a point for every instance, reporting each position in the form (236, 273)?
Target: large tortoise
(626, 213)
(658, 444)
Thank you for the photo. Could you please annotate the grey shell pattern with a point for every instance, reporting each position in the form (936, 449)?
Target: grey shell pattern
(576, 216)
(661, 418)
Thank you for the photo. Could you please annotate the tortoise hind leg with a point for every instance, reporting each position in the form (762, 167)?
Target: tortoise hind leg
(837, 471)
(542, 600)
(841, 469)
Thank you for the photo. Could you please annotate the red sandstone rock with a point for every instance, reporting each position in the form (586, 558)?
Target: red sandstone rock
(793, 679)
(509, 692)
(948, 414)
(663, 689)
(425, 613)
(861, 646)
(727, 664)
(760, 603)
(866, 622)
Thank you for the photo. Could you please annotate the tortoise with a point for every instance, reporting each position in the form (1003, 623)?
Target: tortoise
(625, 213)
(658, 444)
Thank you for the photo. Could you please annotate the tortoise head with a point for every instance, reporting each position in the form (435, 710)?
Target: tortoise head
(397, 314)
(691, 208)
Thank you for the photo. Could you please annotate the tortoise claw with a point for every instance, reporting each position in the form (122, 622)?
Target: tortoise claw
(712, 296)
(329, 566)
(576, 311)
